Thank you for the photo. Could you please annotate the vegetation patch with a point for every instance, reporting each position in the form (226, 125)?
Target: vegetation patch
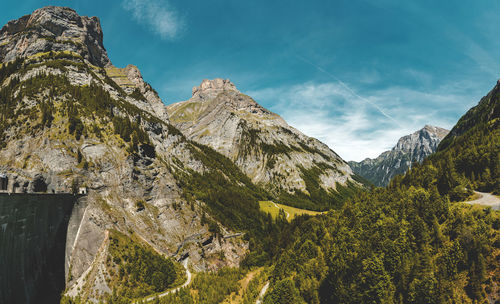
(405, 246)
(317, 198)
(208, 287)
(138, 270)
(290, 212)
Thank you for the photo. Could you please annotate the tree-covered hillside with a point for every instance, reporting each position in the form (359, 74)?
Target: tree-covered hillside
(390, 246)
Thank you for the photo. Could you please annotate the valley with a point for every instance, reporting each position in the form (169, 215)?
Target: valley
(111, 196)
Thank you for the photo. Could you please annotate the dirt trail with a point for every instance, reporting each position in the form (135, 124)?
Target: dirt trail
(287, 214)
(237, 297)
(486, 199)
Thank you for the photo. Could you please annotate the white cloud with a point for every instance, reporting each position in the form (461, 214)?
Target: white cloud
(351, 125)
(157, 15)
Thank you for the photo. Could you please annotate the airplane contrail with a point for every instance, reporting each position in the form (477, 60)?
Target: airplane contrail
(345, 86)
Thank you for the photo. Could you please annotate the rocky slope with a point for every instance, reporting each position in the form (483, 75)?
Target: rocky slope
(70, 119)
(409, 149)
(272, 153)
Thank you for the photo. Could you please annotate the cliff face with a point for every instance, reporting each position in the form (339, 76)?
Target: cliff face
(409, 149)
(53, 29)
(66, 123)
(261, 143)
(131, 81)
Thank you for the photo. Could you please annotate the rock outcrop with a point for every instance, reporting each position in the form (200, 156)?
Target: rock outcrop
(409, 149)
(53, 29)
(261, 143)
(131, 81)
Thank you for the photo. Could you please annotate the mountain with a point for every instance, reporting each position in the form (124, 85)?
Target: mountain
(409, 149)
(299, 169)
(54, 29)
(70, 119)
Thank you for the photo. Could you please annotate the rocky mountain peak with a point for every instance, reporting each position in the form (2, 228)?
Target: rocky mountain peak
(409, 149)
(260, 142)
(214, 87)
(133, 72)
(54, 28)
(425, 139)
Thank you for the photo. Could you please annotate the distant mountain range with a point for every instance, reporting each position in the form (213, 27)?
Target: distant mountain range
(409, 149)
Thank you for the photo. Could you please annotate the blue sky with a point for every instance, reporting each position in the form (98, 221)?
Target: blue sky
(355, 74)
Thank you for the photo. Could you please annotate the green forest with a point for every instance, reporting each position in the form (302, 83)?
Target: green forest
(404, 246)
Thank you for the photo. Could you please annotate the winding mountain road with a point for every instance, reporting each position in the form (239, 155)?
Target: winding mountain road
(486, 199)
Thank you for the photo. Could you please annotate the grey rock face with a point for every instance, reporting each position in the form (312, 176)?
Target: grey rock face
(53, 29)
(260, 142)
(130, 80)
(211, 88)
(409, 149)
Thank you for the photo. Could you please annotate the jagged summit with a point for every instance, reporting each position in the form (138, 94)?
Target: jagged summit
(422, 142)
(60, 29)
(409, 149)
(54, 28)
(211, 88)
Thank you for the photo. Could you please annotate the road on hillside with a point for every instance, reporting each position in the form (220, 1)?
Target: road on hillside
(262, 293)
(287, 214)
(188, 281)
(486, 199)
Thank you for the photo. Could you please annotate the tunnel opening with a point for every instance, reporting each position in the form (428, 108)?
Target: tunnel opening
(4, 182)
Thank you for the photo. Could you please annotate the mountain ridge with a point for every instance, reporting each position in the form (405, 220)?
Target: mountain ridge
(409, 149)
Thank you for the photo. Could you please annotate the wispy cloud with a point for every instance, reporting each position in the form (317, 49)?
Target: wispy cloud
(157, 15)
(351, 126)
(349, 89)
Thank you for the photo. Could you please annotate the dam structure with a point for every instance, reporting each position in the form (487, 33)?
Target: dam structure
(33, 234)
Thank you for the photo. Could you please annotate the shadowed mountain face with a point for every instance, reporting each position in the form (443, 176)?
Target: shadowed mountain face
(409, 149)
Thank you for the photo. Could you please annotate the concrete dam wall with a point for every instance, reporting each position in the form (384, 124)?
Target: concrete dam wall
(33, 234)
